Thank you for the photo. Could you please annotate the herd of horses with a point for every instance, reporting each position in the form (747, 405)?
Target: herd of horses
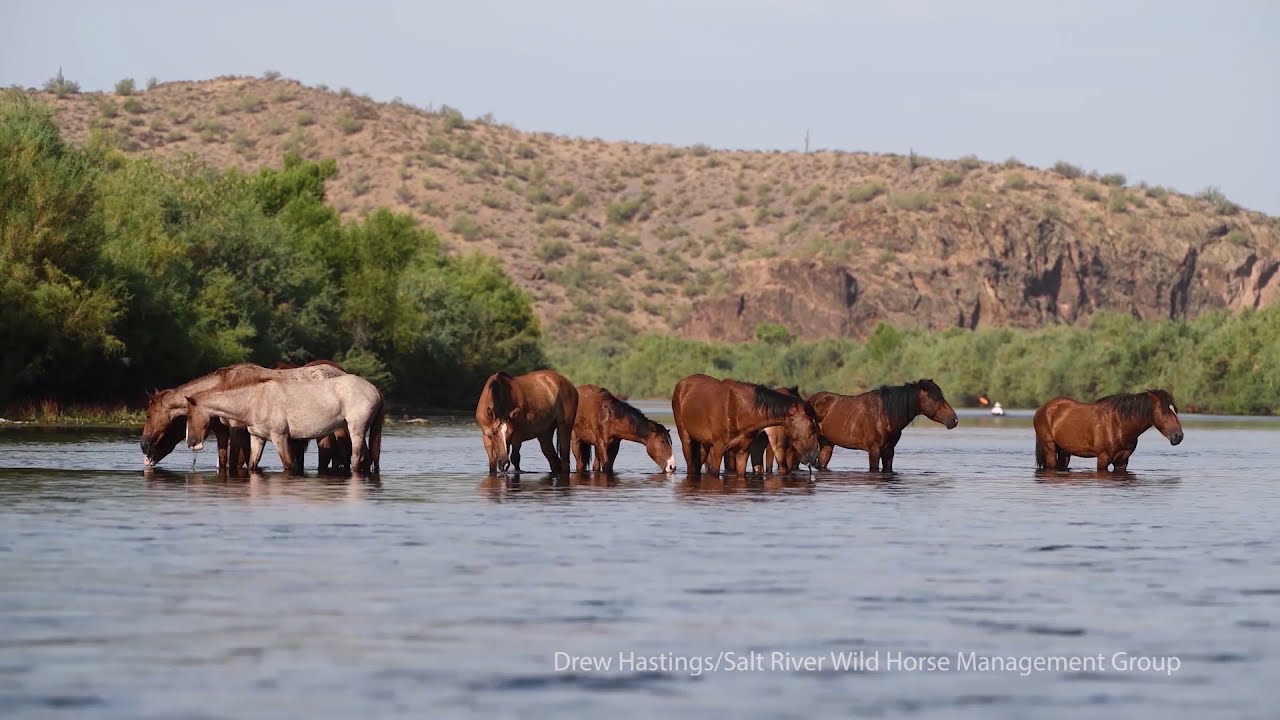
(723, 424)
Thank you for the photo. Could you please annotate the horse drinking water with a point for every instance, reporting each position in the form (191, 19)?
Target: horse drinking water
(1107, 429)
(720, 418)
(604, 421)
(542, 404)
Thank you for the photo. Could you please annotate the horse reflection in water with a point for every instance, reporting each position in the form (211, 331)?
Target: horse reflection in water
(255, 487)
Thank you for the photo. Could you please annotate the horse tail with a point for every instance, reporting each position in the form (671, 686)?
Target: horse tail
(375, 436)
(1041, 461)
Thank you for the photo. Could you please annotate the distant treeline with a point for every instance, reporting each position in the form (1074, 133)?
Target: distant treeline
(1216, 363)
(118, 274)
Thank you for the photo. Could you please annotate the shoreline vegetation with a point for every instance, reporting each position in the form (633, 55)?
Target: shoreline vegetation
(123, 273)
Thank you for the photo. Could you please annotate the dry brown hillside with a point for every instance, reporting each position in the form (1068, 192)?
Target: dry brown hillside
(711, 243)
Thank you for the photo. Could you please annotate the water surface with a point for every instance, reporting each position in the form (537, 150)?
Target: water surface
(438, 592)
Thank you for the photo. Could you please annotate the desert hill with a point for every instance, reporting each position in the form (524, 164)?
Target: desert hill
(711, 243)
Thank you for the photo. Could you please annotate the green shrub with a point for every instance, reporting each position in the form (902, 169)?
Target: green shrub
(1067, 170)
(552, 249)
(911, 200)
(271, 75)
(1015, 181)
(348, 124)
(60, 86)
(1117, 200)
(1221, 204)
(468, 228)
(134, 105)
(125, 87)
(950, 178)
(970, 162)
(866, 192)
(1088, 191)
(1114, 180)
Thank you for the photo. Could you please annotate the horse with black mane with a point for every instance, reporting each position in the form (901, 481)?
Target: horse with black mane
(1106, 429)
(604, 421)
(718, 419)
(873, 421)
(772, 444)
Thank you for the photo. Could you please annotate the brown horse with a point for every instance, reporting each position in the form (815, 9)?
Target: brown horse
(874, 420)
(604, 421)
(540, 404)
(773, 444)
(1107, 429)
(716, 418)
(165, 424)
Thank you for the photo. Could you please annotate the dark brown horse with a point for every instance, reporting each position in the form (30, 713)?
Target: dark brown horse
(602, 424)
(772, 444)
(1107, 429)
(874, 420)
(540, 404)
(716, 418)
(166, 426)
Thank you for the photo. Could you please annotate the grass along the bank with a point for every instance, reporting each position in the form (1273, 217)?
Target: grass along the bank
(50, 412)
(1217, 363)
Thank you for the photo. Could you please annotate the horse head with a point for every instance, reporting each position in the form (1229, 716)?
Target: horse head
(1164, 415)
(658, 445)
(802, 431)
(934, 406)
(198, 419)
(162, 429)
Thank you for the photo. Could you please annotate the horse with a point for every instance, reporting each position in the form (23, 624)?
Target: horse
(773, 444)
(718, 418)
(1106, 429)
(165, 426)
(333, 451)
(538, 405)
(279, 410)
(873, 421)
(604, 421)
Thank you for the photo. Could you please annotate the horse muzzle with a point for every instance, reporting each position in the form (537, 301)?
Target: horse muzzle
(953, 422)
(670, 467)
(195, 445)
(1175, 438)
(146, 445)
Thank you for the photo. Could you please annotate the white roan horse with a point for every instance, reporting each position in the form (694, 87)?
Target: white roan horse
(280, 410)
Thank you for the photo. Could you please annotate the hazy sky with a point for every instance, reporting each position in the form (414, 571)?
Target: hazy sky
(1184, 94)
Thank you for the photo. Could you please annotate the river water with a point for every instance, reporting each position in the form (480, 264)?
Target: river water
(966, 585)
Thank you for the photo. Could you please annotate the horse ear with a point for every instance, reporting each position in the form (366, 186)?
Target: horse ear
(515, 413)
(191, 400)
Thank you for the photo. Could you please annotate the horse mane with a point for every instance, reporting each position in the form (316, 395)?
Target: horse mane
(902, 402)
(499, 387)
(640, 424)
(1136, 406)
(773, 403)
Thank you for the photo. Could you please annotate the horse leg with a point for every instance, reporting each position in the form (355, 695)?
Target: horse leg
(549, 449)
(873, 457)
(715, 458)
(298, 450)
(1121, 462)
(692, 461)
(601, 453)
(1103, 462)
(488, 450)
(284, 448)
(256, 446)
(824, 453)
(359, 450)
(581, 454)
(886, 458)
(223, 435)
(564, 435)
(513, 454)
(612, 454)
(326, 447)
(1062, 461)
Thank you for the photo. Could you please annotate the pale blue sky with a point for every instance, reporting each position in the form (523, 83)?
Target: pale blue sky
(1184, 94)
